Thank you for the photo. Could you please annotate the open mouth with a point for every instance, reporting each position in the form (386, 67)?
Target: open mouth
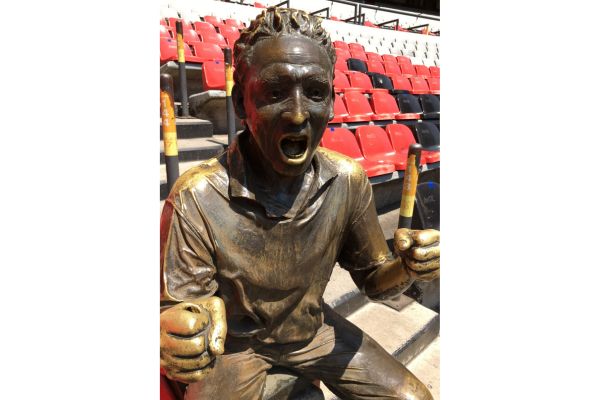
(294, 147)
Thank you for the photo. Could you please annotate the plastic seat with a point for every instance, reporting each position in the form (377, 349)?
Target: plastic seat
(409, 104)
(259, 5)
(356, 46)
(373, 57)
(338, 44)
(343, 54)
(401, 137)
(375, 66)
(391, 67)
(435, 71)
(344, 142)
(408, 70)
(419, 85)
(375, 145)
(234, 22)
(354, 64)
(213, 75)
(428, 135)
(430, 105)
(403, 60)
(341, 65)
(360, 81)
(380, 81)
(184, 24)
(204, 27)
(401, 82)
(230, 33)
(212, 20)
(434, 84)
(215, 38)
(357, 106)
(385, 105)
(208, 51)
(339, 110)
(358, 53)
(166, 32)
(168, 51)
(340, 81)
(422, 70)
(190, 36)
(389, 58)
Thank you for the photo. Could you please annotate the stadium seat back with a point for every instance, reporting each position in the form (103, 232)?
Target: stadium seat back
(338, 44)
(234, 22)
(434, 84)
(419, 85)
(360, 80)
(342, 141)
(360, 54)
(384, 103)
(435, 71)
(401, 82)
(213, 75)
(354, 64)
(408, 70)
(358, 106)
(374, 142)
(375, 66)
(403, 60)
(373, 57)
(340, 81)
(356, 46)
(381, 81)
(400, 136)
(215, 38)
(212, 20)
(428, 135)
(391, 67)
(204, 27)
(422, 70)
(343, 54)
(339, 110)
(208, 51)
(389, 58)
(408, 104)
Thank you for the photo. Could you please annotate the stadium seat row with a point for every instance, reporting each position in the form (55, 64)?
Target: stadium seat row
(382, 151)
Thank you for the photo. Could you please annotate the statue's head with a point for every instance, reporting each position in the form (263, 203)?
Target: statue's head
(284, 86)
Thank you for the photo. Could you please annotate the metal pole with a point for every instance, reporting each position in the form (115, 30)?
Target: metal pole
(228, 99)
(185, 108)
(409, 185)
(169, 129)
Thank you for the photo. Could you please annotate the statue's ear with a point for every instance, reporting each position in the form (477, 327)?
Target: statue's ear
(238, 102)
(331, 112)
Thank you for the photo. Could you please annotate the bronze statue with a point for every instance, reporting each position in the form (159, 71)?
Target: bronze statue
(249, 239)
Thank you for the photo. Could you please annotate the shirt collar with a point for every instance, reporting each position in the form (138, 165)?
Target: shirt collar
(324, 172)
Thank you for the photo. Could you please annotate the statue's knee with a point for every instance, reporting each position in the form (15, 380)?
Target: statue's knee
(413, 390)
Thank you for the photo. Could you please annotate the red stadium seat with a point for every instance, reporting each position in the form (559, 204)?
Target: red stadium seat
(358, 107)
(340, 81)
(435, 71)
(375, 66)
(373, 56)
(360, 80)
(341, 65)
(213, 75)
(342, 54)
(403, 60)
(385, 107)
(215, 38)
(339, 110)
(419, 85)
(166, 32)
(338, 44)
(234, 22)
(230, 33)
(259, 5)
(204, 27)
(212, 20)
(401, 82)
(356, 46)
(184, 24)
(168, 51)
(334, 18)
(408, 70)
(401, 137)
(434, 84)
(422, 70)
(208, 51)
(389, 58)
(375, 145)
(370, 24)
(190, 36)
(391, 67)
(343, 141)
(359, 54)
(163, 22)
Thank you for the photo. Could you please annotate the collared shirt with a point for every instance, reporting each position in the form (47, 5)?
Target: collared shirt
(268, 260)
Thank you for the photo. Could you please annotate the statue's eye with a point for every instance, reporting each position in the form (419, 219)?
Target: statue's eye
(276, 94)
(315, 94)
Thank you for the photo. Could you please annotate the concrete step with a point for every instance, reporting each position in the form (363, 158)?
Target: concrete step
(188, 128)
(197, 149)
(407, 334)
(426, 367)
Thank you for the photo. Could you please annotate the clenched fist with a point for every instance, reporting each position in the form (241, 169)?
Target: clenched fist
(420, 252)
(192, 334)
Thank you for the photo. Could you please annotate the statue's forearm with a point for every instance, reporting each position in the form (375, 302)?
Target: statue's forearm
(391, 275)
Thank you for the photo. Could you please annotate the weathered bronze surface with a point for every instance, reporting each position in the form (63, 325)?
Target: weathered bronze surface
(249, 239)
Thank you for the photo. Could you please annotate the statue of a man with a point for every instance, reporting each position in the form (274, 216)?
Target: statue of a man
(249, 239)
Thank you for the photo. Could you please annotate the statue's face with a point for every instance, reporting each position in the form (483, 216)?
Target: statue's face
(287, 100)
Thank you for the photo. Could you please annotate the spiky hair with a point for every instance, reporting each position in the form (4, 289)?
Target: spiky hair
(274, 22)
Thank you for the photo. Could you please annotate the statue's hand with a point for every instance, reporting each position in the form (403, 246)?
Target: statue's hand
(192, 334)
(420, 252)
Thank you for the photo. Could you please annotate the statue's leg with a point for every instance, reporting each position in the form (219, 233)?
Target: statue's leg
(235, 376)
(353, 366)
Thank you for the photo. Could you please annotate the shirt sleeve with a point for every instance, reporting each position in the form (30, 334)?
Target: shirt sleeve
(364, 248)
(187, 249)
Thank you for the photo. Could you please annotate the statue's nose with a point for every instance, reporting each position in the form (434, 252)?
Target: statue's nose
(298, 113)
